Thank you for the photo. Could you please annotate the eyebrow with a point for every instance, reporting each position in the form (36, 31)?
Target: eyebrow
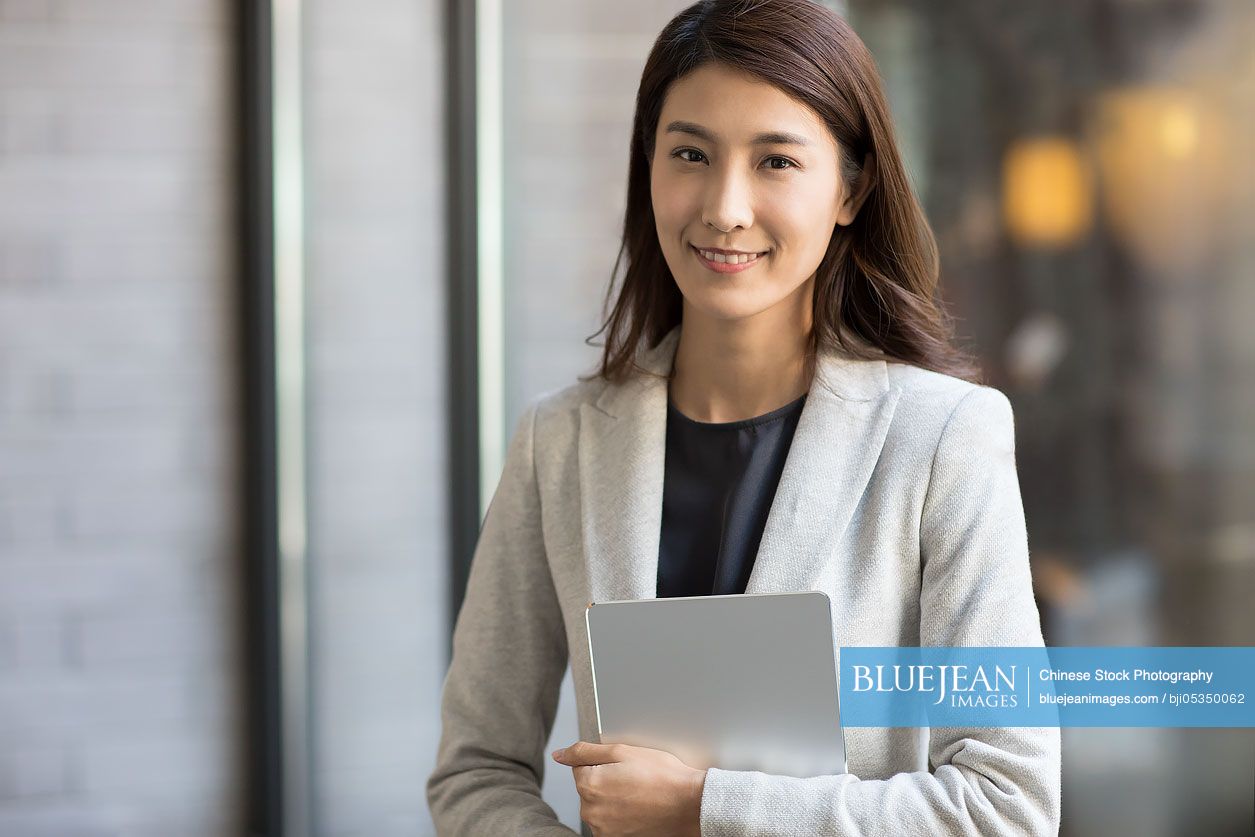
(765, 138)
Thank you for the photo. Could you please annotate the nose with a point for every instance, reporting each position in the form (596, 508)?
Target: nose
(728, 200)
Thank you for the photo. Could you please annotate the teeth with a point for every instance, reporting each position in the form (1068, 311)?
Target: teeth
(722, 259)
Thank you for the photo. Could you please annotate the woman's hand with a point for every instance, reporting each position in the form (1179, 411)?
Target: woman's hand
(628, 791)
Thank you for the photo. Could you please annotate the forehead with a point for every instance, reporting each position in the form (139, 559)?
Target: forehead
(736, 106)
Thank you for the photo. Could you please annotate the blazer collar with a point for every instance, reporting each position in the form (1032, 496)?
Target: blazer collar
(622, 445)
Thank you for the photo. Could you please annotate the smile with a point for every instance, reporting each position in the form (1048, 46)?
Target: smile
(721, 263)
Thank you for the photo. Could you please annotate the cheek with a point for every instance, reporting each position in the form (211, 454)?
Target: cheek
(661, 221)
(803, 221)
(669, 204)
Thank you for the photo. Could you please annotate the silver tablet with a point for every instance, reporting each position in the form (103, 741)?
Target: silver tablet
(741, 682)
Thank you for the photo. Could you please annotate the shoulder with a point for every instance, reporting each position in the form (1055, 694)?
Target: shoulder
(565, 401)
(937, 407)
(553, 415)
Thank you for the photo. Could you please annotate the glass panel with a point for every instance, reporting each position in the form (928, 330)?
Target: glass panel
(376, 380)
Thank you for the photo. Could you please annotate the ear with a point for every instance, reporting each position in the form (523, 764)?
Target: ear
(858, 194)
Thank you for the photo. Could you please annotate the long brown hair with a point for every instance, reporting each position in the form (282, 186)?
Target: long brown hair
(875, 289)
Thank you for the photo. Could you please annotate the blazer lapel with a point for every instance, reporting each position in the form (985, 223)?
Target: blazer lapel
(835, 448)
(622, 446)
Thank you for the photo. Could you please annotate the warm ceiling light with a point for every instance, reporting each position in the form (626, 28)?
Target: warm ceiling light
(1047, 192)
(1167, 169)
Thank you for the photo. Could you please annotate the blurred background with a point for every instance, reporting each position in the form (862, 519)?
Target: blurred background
(277, 278)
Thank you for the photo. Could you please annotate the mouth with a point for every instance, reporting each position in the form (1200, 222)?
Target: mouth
(727, 263)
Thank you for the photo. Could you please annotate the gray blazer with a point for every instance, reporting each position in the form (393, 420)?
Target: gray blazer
(899, 499)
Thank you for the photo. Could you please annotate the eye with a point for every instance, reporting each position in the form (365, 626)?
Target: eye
(790, 163)
(680, 151)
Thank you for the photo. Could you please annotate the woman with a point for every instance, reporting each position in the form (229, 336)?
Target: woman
(790, 418)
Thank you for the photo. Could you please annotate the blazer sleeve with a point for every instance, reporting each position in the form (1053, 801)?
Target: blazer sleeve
(975, 590)
(500, 694)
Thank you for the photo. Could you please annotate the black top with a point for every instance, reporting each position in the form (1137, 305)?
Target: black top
(719, 481)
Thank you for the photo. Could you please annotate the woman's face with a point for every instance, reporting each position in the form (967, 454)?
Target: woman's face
(739, 154)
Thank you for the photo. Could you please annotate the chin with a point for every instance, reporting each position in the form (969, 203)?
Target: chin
(726, 307)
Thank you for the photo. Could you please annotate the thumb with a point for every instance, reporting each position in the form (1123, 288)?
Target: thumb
(585, 753)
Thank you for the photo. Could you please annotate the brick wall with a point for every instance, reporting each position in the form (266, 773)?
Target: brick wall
(118, 674)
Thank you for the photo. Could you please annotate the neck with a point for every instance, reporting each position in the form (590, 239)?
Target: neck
(729, 370)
